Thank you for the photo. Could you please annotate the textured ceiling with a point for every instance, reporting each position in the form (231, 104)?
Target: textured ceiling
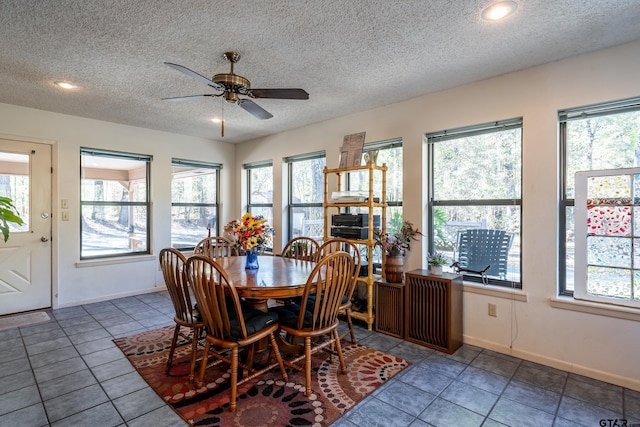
(348, 55)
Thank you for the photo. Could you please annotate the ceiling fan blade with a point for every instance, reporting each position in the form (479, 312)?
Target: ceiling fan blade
(254, 109)
(187, 98)
(279, 93)
(195, 75)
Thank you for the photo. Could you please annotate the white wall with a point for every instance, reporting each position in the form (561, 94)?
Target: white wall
(594, 345)
(77, 282)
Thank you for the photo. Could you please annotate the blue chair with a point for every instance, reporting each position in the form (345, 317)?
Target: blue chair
(477, 248)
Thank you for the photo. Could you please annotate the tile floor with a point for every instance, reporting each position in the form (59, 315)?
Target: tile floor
(67, 372)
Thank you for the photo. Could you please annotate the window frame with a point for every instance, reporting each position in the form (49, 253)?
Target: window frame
(216, 205)
(111, 154)
(565, 202)
(462, 132)
(291, 205)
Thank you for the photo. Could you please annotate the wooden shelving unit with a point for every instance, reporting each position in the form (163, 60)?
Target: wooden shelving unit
(370, 206)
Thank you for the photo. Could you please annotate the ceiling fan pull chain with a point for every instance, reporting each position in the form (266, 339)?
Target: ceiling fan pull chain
(222, 121)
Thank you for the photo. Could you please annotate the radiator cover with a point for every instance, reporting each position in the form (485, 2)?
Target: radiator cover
(433, 310)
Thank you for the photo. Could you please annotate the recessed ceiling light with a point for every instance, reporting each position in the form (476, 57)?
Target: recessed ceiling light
(499, 10)
(65, 85)
(216, 120)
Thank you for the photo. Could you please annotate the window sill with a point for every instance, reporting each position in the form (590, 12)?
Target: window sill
(111, 261)
(495, 291)
(602, 309)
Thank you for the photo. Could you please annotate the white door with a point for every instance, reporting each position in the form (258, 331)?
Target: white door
(25, 259)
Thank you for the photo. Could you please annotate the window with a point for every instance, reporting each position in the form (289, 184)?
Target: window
(306, 191)
(387, 152)
(260, 190)
(607, 236)
(114, 202)
(15, 184)
(596, 137)
(194, 202)
(475, 201)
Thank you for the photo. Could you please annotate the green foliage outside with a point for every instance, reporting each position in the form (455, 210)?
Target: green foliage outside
(8, 213)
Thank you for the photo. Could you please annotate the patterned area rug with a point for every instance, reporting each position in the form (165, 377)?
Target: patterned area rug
(263, 401)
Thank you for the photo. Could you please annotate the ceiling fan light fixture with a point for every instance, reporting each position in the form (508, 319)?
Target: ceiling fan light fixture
(65, 85)
(499, 10)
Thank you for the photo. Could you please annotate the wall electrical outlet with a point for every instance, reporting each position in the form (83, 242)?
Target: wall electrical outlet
(493, 310)
(65, 216)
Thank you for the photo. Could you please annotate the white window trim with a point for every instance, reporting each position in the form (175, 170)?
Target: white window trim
(602, 309)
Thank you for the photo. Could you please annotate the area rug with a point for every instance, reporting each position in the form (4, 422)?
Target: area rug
(263, 401)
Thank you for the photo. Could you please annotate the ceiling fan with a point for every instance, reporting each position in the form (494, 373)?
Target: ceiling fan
(232, 85)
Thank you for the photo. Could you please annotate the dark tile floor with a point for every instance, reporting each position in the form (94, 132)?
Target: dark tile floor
(67, 372)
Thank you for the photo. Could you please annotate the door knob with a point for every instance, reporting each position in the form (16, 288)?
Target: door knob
(44, 239)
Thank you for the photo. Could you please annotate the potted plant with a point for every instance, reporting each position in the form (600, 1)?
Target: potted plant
(395, 247)
(436, 260)
(8, 213)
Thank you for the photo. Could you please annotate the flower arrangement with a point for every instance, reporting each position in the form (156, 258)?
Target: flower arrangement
(437, 259)
(252, 232)
(396, 244)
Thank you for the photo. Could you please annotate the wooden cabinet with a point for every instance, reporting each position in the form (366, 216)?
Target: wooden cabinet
(375, 204)
(433, 310)
(389, 302)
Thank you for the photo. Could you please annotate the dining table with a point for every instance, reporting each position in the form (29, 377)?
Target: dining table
(276, 278)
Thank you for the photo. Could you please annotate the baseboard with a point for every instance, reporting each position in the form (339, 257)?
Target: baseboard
(630, 383)
(114, 296)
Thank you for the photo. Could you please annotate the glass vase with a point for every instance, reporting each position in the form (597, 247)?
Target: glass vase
(252, 260)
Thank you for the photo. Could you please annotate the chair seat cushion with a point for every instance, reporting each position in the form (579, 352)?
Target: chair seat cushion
(254, 321)
(288, 315)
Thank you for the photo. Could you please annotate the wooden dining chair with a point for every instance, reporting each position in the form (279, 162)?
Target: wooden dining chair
(317, 314)
(215, 247)
(230, 327)
(302, 247)
(341, 244)
(172, 264)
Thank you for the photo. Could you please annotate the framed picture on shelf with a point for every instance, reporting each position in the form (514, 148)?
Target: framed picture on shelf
(351, 150)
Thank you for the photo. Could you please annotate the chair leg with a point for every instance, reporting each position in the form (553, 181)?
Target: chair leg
(251, 352)
(234, 378)
(336, 337)
(174, 341)
(194, 351)
(276, 352)
(307, 365)
(350, 323)
(203, 367)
